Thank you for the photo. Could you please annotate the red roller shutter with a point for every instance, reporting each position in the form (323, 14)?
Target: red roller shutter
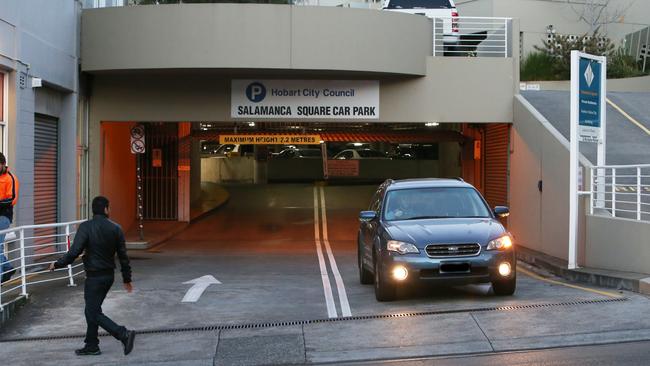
(497, 138)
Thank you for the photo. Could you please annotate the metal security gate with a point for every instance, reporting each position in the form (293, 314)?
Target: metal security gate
(497, 144)
(46, 165)
(160, 171)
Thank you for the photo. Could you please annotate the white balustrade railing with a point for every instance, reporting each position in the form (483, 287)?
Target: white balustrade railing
(30, 250)
(472, 36)
(621, 190)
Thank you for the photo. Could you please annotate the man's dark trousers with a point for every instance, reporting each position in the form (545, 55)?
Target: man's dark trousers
(95, 290)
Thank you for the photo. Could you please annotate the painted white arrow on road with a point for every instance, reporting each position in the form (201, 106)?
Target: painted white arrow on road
(200, 284)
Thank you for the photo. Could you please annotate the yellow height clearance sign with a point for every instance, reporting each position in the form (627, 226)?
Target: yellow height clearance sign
(270, 139)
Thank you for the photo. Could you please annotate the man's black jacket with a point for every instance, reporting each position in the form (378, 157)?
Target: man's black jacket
(99, 239)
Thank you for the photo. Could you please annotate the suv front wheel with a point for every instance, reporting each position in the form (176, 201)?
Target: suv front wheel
(505, 287)
(365, 276)
(384, 290)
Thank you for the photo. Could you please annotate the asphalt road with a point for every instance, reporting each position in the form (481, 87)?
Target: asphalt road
(617, 354)
(272, 304)
(626, 143)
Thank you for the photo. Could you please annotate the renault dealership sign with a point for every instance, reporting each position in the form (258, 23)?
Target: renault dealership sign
(305, 99)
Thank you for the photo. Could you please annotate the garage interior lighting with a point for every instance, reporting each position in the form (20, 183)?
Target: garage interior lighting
(432, 124)
(251, 124)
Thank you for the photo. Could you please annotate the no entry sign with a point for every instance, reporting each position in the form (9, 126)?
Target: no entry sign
(137, 140)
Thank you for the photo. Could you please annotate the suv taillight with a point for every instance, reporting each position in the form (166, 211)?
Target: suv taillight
(454, 21)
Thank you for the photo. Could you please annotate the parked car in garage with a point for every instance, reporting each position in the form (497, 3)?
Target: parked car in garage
(299, 153)
(433, 230)
(443, 9)
(230, 150)
(350, 154)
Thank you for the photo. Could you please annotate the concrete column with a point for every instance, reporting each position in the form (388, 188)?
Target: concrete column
(68, 173)
(20, 149)
(184, 146)
(195, 171)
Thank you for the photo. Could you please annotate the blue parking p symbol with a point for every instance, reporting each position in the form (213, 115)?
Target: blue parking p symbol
(255, 92)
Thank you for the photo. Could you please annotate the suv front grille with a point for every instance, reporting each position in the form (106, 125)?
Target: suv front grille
(453, 250)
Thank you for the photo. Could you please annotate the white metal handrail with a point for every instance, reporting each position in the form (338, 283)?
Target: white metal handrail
(472, 36)
(621, 190)
(31, 261)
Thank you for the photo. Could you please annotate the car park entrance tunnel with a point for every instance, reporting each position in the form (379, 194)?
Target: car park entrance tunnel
(186, 166)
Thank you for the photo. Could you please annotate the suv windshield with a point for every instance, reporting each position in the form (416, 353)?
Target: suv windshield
(434, 203)
(419, 4)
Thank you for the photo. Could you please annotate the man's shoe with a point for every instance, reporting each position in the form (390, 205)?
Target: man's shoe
(7, 276)
(128, 341)
(88, 351)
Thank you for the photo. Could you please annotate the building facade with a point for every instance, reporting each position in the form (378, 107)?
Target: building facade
(39, 54)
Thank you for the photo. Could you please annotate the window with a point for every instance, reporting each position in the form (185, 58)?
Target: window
(435, 203)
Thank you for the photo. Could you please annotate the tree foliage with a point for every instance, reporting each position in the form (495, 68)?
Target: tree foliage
(559, 48)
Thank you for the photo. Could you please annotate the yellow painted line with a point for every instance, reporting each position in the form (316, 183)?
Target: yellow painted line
(630, 118)
(538, 277)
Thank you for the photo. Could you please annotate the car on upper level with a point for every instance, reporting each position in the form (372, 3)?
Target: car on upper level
(444, 10)
(433, 230)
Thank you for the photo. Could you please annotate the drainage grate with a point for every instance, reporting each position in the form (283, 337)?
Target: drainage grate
(209, 328)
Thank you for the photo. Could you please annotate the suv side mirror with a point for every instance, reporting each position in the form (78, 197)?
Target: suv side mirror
(367, 215)
(501, 211)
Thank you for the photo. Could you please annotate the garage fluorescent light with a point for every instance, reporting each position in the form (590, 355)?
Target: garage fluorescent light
(432, 124)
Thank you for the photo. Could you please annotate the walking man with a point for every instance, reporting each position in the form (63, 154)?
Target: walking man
(100, 239)
(8, 199)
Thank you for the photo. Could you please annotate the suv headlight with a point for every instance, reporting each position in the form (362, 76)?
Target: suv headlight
(401, 247)
(502, 243)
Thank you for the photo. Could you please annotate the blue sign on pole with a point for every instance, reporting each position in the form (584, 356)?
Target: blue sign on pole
(589, 99)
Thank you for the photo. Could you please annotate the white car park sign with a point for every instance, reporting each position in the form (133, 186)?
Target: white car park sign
(305, 99)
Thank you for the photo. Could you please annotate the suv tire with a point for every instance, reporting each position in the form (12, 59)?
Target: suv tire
(505, 287)
(365, 276)
(384, 290)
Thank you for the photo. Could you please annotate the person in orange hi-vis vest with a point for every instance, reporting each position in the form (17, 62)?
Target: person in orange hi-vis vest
(8, 198)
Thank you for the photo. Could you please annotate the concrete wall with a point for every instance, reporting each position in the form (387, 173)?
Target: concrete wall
(440, 96)
(540, 220)
(39, 38)
(254, 36)
(536, 15)
(618, 244)
(118, 172)
(369, 169)
(228, 170)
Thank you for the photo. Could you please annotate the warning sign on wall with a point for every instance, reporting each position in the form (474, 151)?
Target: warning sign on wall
(270, 139)
(156, 158)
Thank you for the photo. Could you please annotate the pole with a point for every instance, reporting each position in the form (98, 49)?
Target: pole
(23, 278)
(602, 143)
(67, 238)
(573, 161)
(139, 198)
